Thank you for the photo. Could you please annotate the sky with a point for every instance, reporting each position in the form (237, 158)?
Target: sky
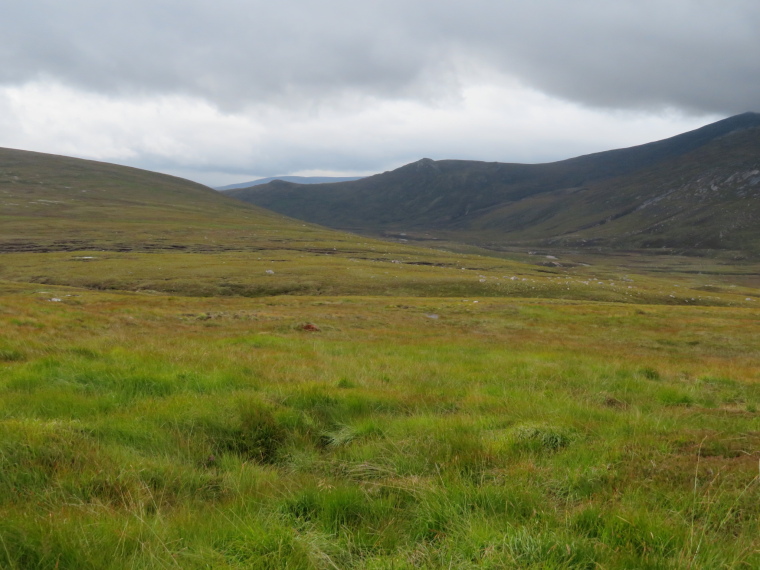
(226, 91)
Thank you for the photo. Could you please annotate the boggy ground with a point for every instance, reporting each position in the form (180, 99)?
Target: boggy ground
(158, 431)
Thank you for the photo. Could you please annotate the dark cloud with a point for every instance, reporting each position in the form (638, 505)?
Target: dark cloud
(698, 55)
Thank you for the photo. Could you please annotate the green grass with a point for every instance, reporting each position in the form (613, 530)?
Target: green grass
(188, 382)
(144, 431)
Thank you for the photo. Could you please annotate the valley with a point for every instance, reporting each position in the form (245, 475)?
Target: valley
(190, 381)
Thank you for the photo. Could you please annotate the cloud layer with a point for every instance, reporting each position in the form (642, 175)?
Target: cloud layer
(347, 81)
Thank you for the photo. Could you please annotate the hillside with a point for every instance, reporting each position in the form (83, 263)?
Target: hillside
(66, 221)
(52, 203)
(694, 192)
(57, 203)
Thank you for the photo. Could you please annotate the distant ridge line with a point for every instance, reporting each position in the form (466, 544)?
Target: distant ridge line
(293, 179)
(695, 192)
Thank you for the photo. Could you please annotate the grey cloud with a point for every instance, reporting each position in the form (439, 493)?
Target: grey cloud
(696, 55)
(231, 53)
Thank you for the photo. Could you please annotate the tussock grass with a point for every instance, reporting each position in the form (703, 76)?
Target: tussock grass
(506, 433)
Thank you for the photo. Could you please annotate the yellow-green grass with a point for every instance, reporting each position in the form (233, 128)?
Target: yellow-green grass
(142, 430)
(380, 269)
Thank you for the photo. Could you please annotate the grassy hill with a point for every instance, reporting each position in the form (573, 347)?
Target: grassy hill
(56, 203)
(695, 192)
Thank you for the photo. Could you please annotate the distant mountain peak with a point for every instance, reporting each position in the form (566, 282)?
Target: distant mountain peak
(291, 179)
(425, 165)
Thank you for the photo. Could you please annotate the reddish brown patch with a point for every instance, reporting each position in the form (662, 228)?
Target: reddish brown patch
(309, 327)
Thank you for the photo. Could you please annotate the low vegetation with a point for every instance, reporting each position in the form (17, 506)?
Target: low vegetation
(191, 382)
(156, 431)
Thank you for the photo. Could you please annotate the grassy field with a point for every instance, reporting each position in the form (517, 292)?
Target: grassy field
(143, 430)
(191, 382)
(378, 268)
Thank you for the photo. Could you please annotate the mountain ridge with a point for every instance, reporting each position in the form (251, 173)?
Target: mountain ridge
(295, 179)
(498, 204)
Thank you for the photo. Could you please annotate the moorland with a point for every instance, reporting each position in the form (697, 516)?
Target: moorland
(190, 381)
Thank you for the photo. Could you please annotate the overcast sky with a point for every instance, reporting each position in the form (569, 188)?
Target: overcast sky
(226, 91)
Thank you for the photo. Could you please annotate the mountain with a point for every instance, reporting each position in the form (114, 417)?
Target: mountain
(295, 179)
(695, 192)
